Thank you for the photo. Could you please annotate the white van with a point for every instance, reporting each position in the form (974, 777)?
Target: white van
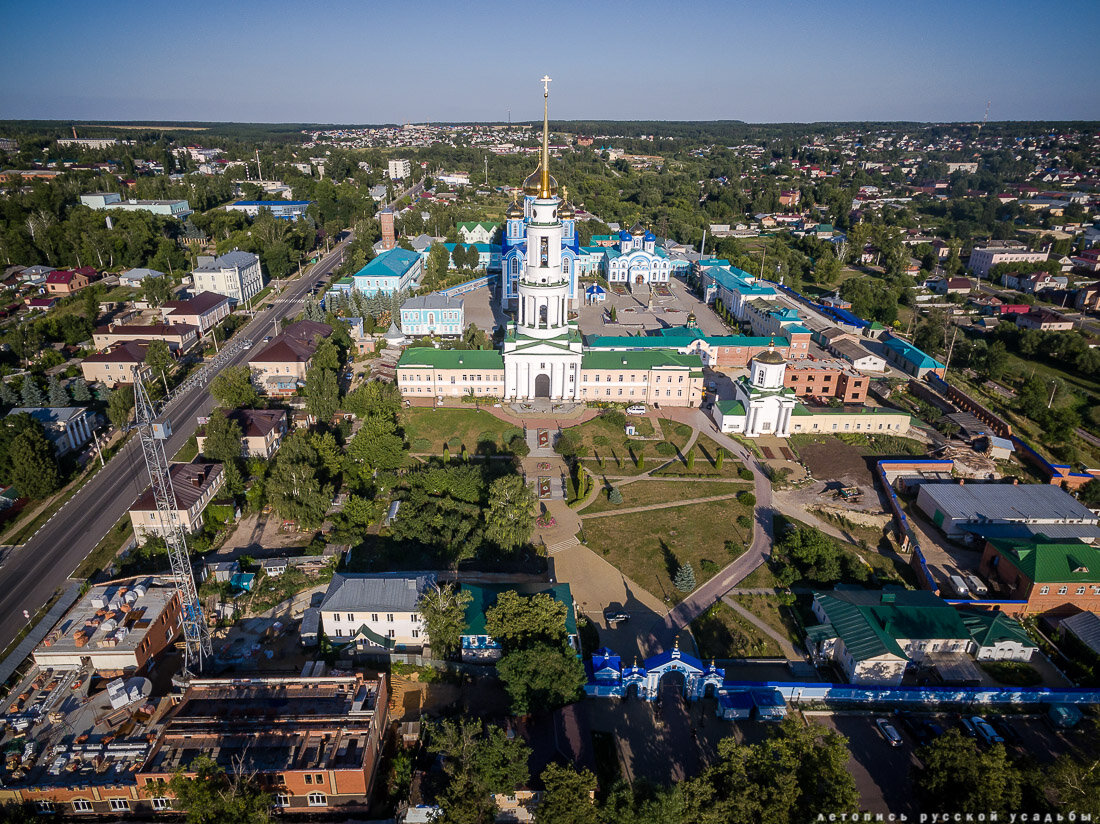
(636, 409)
(979, 589)
(959, 585)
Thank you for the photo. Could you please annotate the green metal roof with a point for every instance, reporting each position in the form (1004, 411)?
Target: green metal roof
(989, 627)
(870, 622)
(1052, 561)
(429, 357)
(473, 224)
(731, 407)
(649, 359)
(486, 596)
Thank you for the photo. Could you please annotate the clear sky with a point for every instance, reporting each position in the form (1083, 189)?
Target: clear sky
(377, 61)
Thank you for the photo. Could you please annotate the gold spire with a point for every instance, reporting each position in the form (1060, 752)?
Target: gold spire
(544, 184)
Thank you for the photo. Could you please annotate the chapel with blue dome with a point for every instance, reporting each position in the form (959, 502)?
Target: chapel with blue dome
(638, 263)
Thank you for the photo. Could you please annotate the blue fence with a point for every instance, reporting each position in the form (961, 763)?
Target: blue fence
(797, 692)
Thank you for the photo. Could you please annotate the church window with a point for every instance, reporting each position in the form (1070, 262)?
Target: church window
(452, 378)
(1044, 590)
(681, 379)
(463, 378)
(515, 266)
(679, 393)
(668, 393)
(544, 251)
(1062, 590)
(597, 378)
(1080, 590)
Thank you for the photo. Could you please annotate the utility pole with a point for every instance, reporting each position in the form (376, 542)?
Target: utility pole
(259, 172)
(486, 170)
(950, 349)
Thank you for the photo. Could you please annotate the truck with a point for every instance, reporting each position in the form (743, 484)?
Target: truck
(977, 587)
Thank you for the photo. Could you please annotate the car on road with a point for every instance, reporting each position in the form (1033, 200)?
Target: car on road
(636, 409)
(614, 616)
(268, 338)
(986, 731)
(889, 732)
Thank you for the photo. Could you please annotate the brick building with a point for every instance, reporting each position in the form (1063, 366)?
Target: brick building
(826, 379)
(1050, 577)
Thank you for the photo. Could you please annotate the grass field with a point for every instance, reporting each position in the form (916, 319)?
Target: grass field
(650, 546)
(428, 430)
(722, 633)
(644, 492)
(706, 455)
(773, 613)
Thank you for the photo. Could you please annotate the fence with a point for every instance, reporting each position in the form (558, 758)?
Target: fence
(798, 692)
(468, 286)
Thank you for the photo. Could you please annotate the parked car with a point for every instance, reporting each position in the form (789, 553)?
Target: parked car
(959, 585)
(967, 726)
(914, 726)
(889, 732)
(976, 585)
(636, 409)
(985, 731)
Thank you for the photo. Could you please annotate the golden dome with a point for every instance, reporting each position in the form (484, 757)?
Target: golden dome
(637, 229)
(533, 184)
(514, 210)
(566, 209)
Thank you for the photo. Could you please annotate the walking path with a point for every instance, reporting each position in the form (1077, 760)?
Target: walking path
(789, 652)
(669, 505)
(663, 633)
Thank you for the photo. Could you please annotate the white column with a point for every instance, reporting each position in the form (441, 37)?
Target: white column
(750, 421)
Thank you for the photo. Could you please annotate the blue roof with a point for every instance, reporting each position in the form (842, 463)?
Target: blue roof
(715, 262)
(624, 235)
(912, 354)
(273, 203)
(393, 263)
(649, 236)
(595, 289)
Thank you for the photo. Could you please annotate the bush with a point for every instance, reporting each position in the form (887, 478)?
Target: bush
(746, 498)
(614, 495)
(666, 449)
(1013, 673)
(518, 446)
(744, 473)
(421, 445)
(614, 417)
(709, 567)
(744, 521)
(510, 434)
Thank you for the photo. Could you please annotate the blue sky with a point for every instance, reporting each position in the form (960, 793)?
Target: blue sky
(377, 61)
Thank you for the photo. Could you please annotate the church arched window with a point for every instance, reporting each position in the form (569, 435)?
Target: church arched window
(515, 266)
(565, 263)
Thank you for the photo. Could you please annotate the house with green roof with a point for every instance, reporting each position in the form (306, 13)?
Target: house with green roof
(909, 359)
(396, 270)
(874, 635)
(480, 647)
(1043, 576)
(997, 637)
(479, 231)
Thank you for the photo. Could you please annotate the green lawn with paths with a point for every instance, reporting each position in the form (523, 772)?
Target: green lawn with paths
(722, 633)
(429, 430)
(649, 546)
(644, 492)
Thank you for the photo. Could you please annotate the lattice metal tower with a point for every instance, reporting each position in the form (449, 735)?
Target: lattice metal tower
(153, 434)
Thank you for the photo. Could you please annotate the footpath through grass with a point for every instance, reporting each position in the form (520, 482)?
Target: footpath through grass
(645, 492)
(722, 633)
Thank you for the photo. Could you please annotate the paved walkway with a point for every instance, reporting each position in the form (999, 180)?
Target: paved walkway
(663, 633)
(669, 505)
(789, 652)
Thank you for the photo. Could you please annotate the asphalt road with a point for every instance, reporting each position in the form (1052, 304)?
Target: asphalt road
(33, 572)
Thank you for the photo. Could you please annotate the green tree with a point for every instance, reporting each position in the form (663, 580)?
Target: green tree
(350, 524)
(322, 393)
(541, 677)
(477, 763)
(443, 611)
(223, 438)
(7, 396)
(376, 446)
(56, 394)
(685, 578)
(691, 458)
(158, 357)
(33, 465)
(79, 388)
(1074, 784)
(509, 519)
(31, 393)
(719, 458)
(232, 388)
(210, 796)
(615, 495)
(294, 487)
(435, 270)
(374, 399)
(959, 776)
(567, 797)
(519, 622)
(120, 403)
(156, 290)
(827, 269)
(1089, 494)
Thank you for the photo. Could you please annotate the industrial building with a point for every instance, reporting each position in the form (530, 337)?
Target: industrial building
(963, 511)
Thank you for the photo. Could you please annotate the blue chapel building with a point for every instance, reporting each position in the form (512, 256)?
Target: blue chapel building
(513, 252)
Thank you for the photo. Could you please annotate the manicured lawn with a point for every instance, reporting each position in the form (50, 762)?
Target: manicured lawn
(650, 546)
(722, 633)
(706, 454)
(428, 430)
(759, 578)
(644, 492)
(773, 613)
(604, 438)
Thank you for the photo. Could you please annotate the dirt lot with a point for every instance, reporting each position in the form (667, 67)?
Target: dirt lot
(833, 460)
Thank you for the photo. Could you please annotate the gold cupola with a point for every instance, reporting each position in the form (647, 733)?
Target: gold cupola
(514, 209)
(566, 209)
(541, 183)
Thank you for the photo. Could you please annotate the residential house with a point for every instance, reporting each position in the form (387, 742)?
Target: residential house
(950, 286)
(116, 365)
(1044, 320)
(909, 359)
(1032, 283)
(66, 282)
(204, 311)
(376, 612)
(195, 486)
(263, 431)
(826, 379)
(480, 647)
(1087, 298)
(984, 259)
(280, 367)
(433, 314)
(861, 358)
(136, 277)
(180, 337)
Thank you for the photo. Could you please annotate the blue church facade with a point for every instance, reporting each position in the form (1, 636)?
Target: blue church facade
(513, 254)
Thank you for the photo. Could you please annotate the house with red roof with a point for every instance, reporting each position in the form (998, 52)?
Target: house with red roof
(67, 281)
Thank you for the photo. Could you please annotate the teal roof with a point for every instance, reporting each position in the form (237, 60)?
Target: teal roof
(647, 359)
(797, 327)
(714, 262)
(473, 224)
(990, 627)
(612, 253)
(912, 354)
(392, 263)
(485, 596)
(734, 408)
(428, 357)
